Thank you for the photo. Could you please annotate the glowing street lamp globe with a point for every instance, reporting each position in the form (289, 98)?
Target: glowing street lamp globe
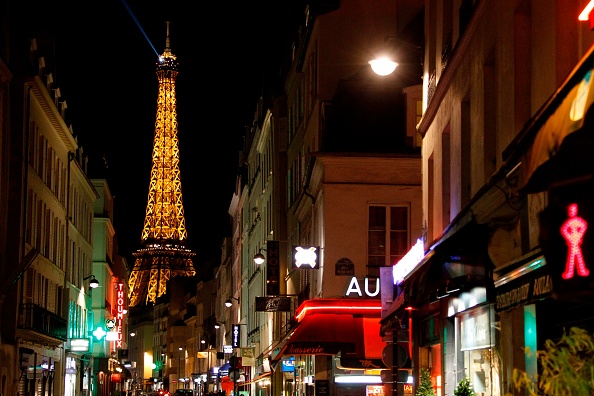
(383, 66)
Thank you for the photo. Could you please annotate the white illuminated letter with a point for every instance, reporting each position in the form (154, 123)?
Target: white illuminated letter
(354, 287)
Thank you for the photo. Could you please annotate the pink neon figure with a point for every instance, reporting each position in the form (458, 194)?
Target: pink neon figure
(573, 231)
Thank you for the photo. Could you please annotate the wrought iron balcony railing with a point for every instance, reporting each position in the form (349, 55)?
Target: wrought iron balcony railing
(35, 318)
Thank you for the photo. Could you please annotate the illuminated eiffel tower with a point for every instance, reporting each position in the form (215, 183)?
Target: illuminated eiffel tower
(163, 254)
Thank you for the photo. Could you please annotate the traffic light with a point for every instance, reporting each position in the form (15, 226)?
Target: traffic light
(566, 239)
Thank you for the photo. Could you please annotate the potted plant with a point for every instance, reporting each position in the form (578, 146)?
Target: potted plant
(464, 388)
(425, 387)
(566, 366)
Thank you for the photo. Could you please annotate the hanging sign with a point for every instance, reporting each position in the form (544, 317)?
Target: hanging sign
(306, 257)
(272, 268)
(273, 304)
(235, 335)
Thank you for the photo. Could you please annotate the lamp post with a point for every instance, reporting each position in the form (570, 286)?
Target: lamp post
(179, 367)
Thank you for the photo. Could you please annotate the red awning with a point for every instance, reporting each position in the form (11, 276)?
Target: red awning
(330, 326)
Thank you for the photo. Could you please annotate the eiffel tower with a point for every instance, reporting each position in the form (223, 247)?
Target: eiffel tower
(162, 254)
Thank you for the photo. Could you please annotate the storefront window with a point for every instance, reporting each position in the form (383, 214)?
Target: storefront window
(476, 352)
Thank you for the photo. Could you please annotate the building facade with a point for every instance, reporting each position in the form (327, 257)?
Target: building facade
(331, 165)
(51, 214)
(505, 88)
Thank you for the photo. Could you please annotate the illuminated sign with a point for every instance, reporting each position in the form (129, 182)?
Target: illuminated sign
(120, 313)
(288, 365)
(112, 336)
(110, 324)
(79, 344)
(355, 288)
(235, 336)
(306, 257)
(573, 230)
(409, 262)
(99, 333)
(374, 390)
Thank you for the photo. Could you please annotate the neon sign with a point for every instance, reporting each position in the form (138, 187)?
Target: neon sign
(235, 336)
(573, 230)
(99, 333)
(120, 313)
(409, 262)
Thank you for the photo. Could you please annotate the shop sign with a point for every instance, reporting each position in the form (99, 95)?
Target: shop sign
(409, 262)
(306, 257)
(120, 314)
(235, 335)
(532, 286)
(355, 288)
(288, 365)
(475, 330)
(313, 348)
(272, 268)
(248, 356)
(79, 344)
(273, 304)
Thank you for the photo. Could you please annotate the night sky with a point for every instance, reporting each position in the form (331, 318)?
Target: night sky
(106, 54)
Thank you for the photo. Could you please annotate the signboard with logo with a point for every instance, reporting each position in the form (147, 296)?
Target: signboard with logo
(273, 304)
(306, 257)
(248, 357)
(532, 283)
(288, 365)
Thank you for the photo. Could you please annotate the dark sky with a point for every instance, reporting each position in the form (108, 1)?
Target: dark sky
(106, 55)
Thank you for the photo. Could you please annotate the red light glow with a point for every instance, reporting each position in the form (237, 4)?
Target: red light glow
(338, 306)
(573, 230)
(585, 14)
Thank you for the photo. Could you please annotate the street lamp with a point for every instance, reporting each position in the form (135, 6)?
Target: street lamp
(93, 283)
(229, 303)
(179, 366)
(259, 257)
(383, 66)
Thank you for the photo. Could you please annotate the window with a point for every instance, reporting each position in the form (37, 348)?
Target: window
(388, 236)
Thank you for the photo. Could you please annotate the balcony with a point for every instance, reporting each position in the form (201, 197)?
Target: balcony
(35, 319)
